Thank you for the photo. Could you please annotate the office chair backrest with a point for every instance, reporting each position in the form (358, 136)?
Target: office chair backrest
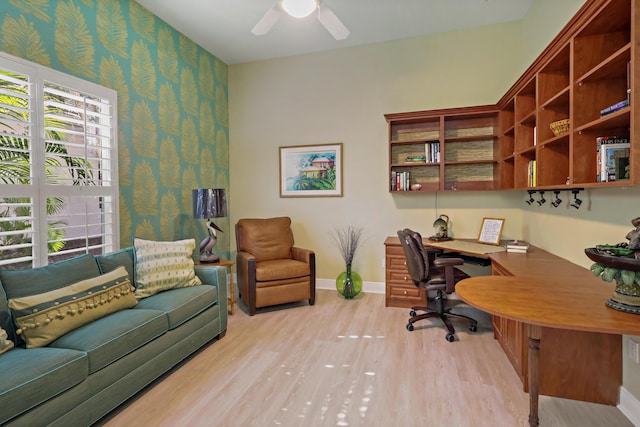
(427, 258)
(418, 269)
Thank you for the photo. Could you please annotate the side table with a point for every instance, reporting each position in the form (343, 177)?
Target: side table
(224, 263)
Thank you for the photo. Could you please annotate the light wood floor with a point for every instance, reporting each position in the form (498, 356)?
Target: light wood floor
(348, 363)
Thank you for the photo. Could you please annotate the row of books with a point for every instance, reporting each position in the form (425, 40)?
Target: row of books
(432, 152)
(400, 181)
(612, 158)
(517, 246)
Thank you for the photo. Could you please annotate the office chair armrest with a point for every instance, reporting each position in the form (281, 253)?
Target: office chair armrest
(444, 262)
(432, 250)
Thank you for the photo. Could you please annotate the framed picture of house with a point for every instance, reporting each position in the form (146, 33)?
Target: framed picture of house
(311, 171)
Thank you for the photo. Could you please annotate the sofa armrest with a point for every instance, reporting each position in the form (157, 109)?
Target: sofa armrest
(216, 275)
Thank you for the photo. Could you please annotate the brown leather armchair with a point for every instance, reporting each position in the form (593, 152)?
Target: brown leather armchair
(270, 269)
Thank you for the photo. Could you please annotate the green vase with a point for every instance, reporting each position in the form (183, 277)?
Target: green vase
(349, 283)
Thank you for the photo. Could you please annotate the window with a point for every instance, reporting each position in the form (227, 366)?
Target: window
(58, 166)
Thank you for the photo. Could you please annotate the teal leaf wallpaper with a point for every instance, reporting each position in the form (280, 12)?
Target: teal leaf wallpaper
(173, 131)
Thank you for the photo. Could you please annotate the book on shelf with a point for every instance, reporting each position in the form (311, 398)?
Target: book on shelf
(535, 136)
(518, 246)
(415, 159)
(629, 81)
(612, 158)
(532, 175)
(615, 107)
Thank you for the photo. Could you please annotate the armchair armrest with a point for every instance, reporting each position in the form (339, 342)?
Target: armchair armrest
(246, 275)
(300, 254)
(308, 256)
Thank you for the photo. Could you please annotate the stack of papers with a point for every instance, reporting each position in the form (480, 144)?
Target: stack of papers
(518, 246)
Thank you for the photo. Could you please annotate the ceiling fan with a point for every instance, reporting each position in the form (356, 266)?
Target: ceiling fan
(302, 9)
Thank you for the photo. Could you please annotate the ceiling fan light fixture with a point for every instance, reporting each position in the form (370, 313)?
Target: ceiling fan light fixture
(299, 8)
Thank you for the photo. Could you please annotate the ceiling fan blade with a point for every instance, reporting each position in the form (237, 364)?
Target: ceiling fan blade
(268, 20)
(332, 23)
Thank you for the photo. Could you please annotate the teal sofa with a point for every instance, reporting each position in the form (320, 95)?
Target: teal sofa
(86, 373)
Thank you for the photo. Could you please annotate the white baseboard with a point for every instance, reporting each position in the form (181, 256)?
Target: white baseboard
(367, 287)
(630, 406)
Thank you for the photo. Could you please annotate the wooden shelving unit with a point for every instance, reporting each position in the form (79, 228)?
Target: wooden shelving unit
(500, 147)
(581, 72)
(464, 138)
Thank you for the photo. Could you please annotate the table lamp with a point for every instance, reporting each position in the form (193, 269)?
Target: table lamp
(209, 203)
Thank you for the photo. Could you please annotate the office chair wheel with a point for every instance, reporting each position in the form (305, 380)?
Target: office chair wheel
(450, 337)
(473, 328)
(409, 327)
(412, 313)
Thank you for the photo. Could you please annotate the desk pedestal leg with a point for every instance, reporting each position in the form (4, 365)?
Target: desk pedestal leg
(534, 333)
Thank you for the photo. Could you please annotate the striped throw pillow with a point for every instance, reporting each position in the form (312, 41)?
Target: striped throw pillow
(163, 265)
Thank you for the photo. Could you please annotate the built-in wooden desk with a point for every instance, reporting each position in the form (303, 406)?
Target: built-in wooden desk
(559, 313)
(578, 364)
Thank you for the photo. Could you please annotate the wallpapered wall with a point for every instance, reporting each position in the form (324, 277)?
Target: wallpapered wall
(173, 131)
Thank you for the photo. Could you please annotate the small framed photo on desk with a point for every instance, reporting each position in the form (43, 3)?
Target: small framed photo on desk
(491, 230)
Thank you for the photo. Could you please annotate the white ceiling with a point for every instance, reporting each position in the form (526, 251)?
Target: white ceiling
(223, 27)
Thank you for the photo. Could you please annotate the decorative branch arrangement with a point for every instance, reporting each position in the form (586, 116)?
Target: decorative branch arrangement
(348, 240)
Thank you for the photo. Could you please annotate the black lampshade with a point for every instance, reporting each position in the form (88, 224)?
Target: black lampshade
(209, 203)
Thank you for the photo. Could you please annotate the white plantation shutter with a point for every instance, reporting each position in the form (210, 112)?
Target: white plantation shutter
(57, 148)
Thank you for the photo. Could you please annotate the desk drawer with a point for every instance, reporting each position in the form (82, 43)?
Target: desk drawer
(396, 263)
(401, 277)
(404, 291)
(404, 296)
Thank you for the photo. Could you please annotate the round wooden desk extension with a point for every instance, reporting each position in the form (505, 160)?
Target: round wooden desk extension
(553, 304)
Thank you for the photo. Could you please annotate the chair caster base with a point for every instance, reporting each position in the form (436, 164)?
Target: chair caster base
(473, 328)
(450, 337)
(409, 327)
(412, 313)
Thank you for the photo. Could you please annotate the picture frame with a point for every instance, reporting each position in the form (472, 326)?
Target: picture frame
(491, 231)
(311, 170)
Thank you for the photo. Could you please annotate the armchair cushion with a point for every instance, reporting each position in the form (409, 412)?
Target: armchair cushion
(266, 239)
(281, 269)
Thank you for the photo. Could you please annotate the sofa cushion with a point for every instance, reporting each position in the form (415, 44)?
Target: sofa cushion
(109, 338)
(30, 377)
(163, 265)
(121, 257)
(266, 239)
(42, 318)
(30, 281)
(181, 304)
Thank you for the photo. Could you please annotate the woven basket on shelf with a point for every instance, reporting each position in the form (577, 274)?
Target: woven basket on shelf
(560, 127)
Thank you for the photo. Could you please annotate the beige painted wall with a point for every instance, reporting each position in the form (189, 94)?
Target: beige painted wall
(342, 95)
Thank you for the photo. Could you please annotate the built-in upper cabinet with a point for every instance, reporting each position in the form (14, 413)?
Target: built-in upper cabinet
(546, 131)
(453, 149)
(584, 71)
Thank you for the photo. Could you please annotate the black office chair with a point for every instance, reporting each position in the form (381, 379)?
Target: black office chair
(432, 274)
